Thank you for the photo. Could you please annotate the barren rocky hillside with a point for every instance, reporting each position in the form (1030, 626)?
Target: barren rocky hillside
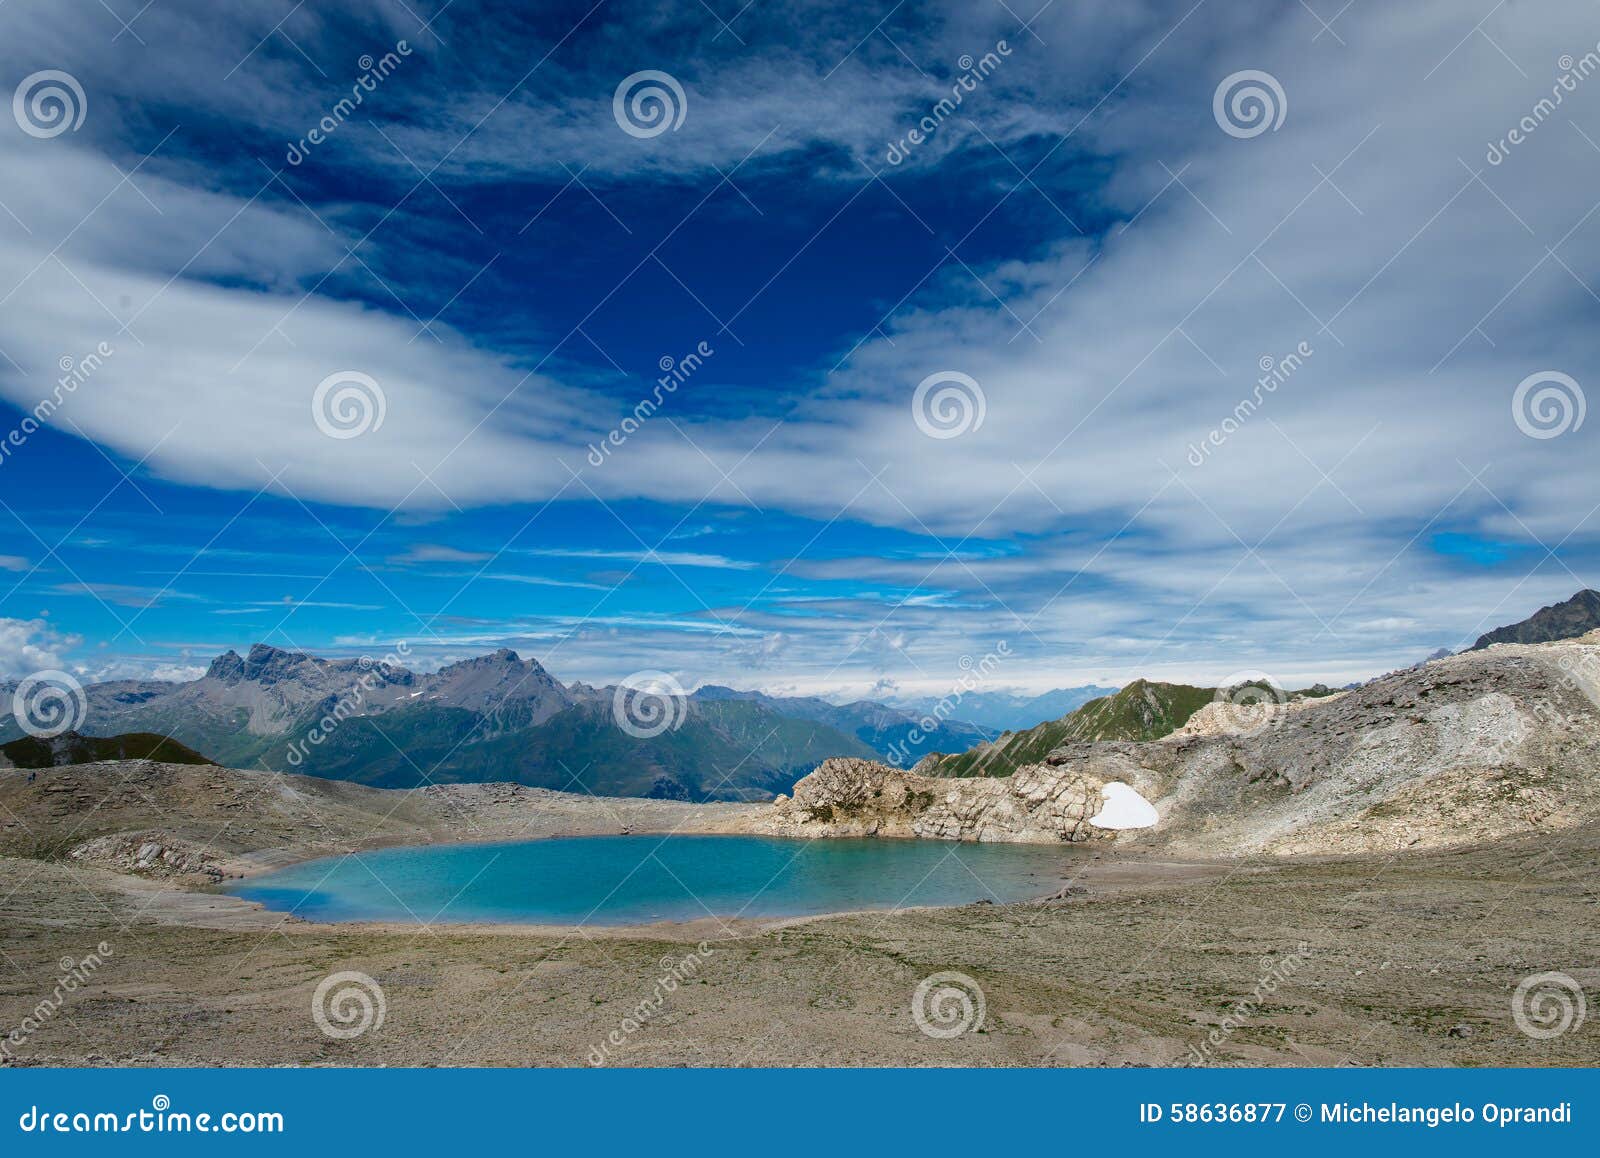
(1467, 748)
(175, 820)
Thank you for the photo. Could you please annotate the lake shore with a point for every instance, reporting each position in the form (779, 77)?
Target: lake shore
(1393, 960)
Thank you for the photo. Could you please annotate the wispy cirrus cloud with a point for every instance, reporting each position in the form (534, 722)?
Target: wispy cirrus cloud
(1164, 261)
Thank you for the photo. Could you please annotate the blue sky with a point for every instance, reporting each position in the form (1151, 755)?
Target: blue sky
(1082, 240)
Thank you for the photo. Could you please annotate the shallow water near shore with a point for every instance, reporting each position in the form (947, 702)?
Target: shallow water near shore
(631, 880)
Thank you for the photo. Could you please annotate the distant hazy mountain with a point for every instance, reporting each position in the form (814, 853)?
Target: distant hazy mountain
(1576, 616)
(1144, 710)
(496, 717)
(885, 730)
(997, 712)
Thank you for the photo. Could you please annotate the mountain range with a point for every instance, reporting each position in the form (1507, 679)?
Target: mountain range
(1147, 710)
(997, 712)
(1565, 620)
(1144, 710)
(493, 717)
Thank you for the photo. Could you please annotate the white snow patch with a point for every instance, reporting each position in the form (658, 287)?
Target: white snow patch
(1124, 808)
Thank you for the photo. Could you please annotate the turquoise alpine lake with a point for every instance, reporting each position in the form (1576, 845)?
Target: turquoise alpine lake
(631, 880)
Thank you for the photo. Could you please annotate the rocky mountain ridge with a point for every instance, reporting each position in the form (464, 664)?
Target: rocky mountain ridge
(1470, 748)
(1565, 620)
(492, 717)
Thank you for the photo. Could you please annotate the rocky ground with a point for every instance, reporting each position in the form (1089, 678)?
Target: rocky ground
(1453, 812)
(1410, 960)
(1463, 750)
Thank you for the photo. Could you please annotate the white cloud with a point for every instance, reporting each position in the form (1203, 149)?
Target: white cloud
(1442, 280)
(31, 645)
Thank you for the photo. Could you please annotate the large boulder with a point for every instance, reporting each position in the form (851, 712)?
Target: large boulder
(849, 797)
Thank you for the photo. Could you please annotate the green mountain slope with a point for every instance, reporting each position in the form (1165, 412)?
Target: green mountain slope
(72, 748)
(722, 750)
(492, 717)
(1144, 710)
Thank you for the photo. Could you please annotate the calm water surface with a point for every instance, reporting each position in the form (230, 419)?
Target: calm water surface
(625, 880)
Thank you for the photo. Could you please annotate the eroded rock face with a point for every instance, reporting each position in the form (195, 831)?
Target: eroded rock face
(152, 854)
(849, 797)
(1464, 749)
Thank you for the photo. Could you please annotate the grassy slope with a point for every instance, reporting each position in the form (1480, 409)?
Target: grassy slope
(722, 750)
(30, 752)
(1141, 711)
